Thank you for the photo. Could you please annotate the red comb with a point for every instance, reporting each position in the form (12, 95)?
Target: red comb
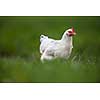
(73, 29)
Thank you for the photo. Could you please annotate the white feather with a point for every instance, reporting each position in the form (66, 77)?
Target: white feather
(51, 49)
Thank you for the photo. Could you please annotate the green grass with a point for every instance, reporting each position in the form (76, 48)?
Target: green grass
(21, 70)
(20, 57)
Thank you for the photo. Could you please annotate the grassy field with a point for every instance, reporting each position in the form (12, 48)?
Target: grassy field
(20, 57)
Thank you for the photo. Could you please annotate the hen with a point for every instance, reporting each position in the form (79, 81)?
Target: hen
(51, 48)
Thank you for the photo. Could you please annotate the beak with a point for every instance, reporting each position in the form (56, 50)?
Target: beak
(74, 33)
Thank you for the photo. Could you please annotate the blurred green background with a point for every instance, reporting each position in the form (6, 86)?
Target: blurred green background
(19, 49)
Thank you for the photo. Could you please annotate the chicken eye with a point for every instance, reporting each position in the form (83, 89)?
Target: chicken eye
(70, 32)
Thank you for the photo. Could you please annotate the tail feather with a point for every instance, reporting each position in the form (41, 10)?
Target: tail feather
(42, 37)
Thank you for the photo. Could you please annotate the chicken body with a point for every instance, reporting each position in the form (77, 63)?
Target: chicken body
(51, 49)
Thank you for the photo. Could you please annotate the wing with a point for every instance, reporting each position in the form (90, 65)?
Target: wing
(49, 51)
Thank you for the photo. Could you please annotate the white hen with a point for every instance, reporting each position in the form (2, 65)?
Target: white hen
(51, 49)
